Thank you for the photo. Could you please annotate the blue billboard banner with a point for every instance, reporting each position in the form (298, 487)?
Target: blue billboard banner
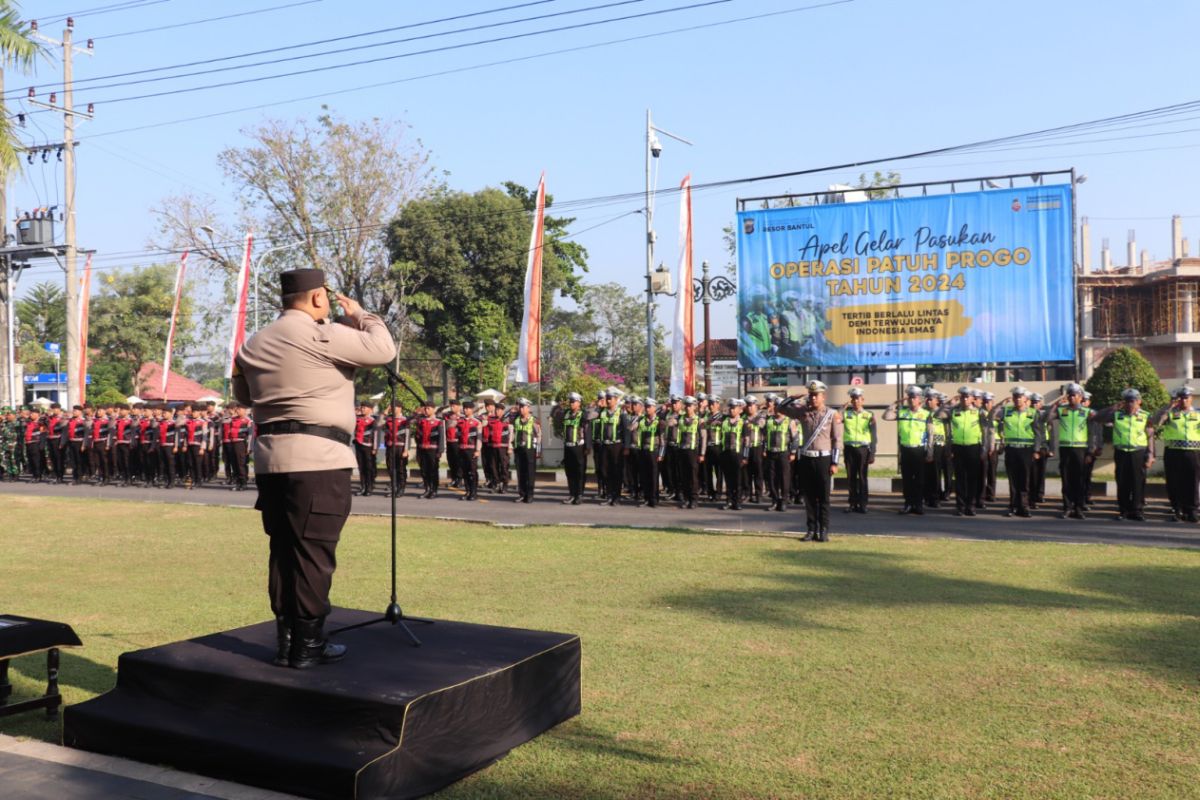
(951, 279)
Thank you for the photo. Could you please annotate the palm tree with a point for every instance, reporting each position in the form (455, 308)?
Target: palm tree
(17, 49)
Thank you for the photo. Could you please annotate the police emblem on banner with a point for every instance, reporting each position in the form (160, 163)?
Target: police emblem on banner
(748, 225)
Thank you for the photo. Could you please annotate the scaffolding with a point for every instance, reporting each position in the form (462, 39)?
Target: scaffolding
(1174, 309)
(1121, 311)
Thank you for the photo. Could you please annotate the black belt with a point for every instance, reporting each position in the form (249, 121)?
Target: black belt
(288, 426)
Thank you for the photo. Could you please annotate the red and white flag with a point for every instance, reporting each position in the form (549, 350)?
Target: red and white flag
(238, 336)
(85, 290)
(179, 276)
(683, 366)
(529, 352)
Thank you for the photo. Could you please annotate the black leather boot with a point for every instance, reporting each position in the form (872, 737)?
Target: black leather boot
(310, 647)
(283, 638)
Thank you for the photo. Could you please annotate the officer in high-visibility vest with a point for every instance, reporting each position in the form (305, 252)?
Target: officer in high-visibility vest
(1133, 451)
(527, 446)
(733, 435)
(689, 443)
(753, 475)
(711, 468)
(939, 473)
(1021, 430)
(914, 430)
(1069, 427)
(650, 445)
(610, 445)
(967, 422)
(574, 432)
(858, 430)
(781, 443)
(1037, 478)
(1178, 428)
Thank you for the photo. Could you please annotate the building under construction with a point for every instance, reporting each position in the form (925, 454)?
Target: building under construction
(1151, 306)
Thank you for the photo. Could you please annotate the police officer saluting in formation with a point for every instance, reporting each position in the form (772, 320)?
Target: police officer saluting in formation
(1070, 427)
(914, 430)
(527, 446)
(1021, 428)
(1178, 426)
(779, 435)
(967, 424)
(820, 451)
(298, 373)
(689, 442)
(1133, 451)
(574, 435)
(861, 440)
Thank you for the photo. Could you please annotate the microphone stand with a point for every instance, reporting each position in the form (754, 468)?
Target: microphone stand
(393, 614)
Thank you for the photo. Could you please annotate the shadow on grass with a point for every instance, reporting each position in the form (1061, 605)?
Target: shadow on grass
(1170, 649)
(813, 578)
(74, 672)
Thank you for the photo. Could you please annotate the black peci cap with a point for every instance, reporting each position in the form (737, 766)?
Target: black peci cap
(300, 280)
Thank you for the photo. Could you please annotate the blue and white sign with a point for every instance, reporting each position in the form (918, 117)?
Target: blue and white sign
(952, 279)
(53, 348)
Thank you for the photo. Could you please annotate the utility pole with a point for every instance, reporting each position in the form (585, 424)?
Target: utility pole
(6, 326)
(71, 253)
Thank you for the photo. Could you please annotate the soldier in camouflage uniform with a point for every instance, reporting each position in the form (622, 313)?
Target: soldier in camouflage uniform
(10, 468)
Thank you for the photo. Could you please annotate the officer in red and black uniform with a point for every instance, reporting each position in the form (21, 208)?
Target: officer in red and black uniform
(366, 445)
(33, 434)
(451, 415)
(395, 441)
(214, 452)
(168, 447)
(148, 444)
(195, 429)
(469, 445)
(98, 445)
(77, 435)
(122, 442)
(237, 458)
(429, 439)
(497, 443)
(56, 444)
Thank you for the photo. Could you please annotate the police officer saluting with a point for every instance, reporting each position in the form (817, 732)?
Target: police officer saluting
(1133, 451)
(1178, 426)
(861, 439)
(297, 373)
(574, 430)
(914, 430)
(820, 451)
(1021, 428)
(1070, 427)
(967, 423)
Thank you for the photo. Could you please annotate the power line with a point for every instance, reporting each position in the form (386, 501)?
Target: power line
(189, 23)
(313, 43)
(132, 5)
(427, 51)
(473, 67)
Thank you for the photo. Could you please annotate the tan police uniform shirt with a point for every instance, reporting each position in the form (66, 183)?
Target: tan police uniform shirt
(302, 370)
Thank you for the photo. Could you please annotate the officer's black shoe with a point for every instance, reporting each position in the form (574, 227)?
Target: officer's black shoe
(1024, 512)
(823, 535)
(1077, 514)
(848, 510)
(1139, 517)
(920, 512)
(283, 641)
(691, 504)
(861, 509)
(570, 501)
(611, 502)
(310, 647)
(1192, 517)
(780, 507)
(1119, 516)
(528, 499)
(1010, 513)
(970, 512)
(809, 536)
(906, 510)
(575, 500)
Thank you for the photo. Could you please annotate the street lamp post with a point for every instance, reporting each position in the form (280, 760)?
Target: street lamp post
(653, 151)
(257, 271)
(706, 290)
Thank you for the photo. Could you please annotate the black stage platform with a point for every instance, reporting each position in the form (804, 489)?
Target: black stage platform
(391, 721)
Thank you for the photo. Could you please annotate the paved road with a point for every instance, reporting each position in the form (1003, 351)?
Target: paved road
(547, 509)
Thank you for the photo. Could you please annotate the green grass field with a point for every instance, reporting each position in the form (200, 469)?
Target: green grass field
(714, 666)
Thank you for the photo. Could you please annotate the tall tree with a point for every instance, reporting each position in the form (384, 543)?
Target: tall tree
(41, 319)
(17, 49)
(129, 318)
(619, 335)
(329, 185)
(462, 256)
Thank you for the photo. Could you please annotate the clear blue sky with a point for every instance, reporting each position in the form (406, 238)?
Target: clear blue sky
(836, 84)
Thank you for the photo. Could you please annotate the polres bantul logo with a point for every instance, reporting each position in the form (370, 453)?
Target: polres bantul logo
(748, 225)
(1016, 204)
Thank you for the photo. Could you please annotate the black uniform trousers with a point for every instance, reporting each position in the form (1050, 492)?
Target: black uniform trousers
(712, 471)
(815, 480)
(1182, 470)
(58, 460)
(647, 463)
(196, 457)
(150, 462)
(944, 471)
(1131, 480)
(1018, 463)
(303, 513)
(489, 471)
(123, 461)
(452, 469)
(968, 469)
(468, 470)
(427, 461)
(857, 462)
(912, 475)
(1070, 470)
(98, 460)
(367, 467)
(991, 467)
(754, 473)
(731, 467)
(35, 459)
(500, 466)
(575, 465)
(614, 470)
(526, 458)
(1037, 479)
(79, 460)
(166, 463)
(598, 459)
(236, 460)
(688, 474)
(933, 476)
(397, 468)
(779, 472)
